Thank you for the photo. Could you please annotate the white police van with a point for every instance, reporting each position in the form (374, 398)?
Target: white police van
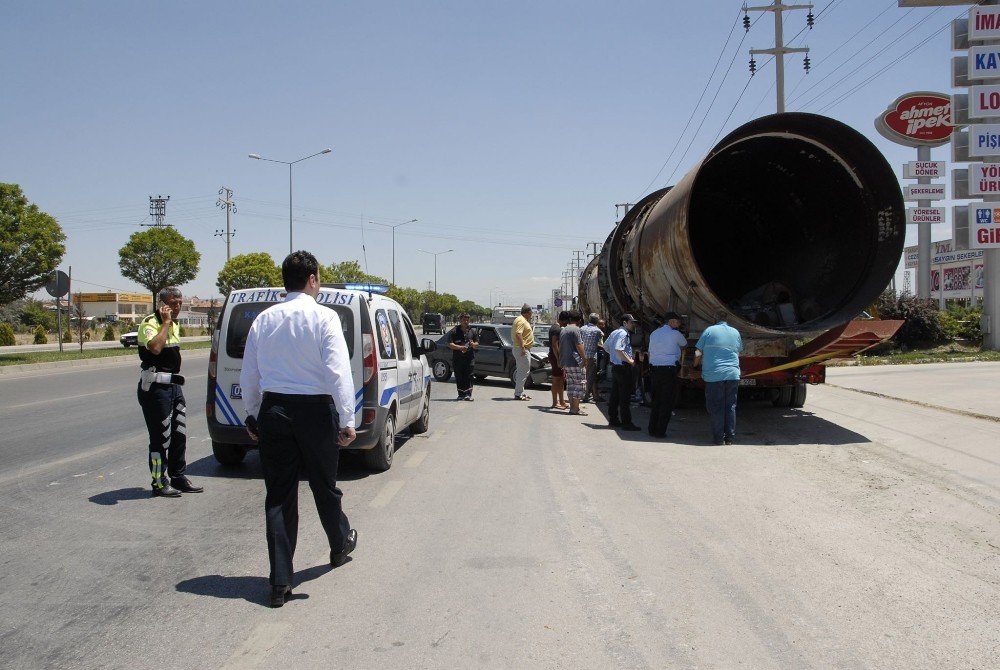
(392, 380)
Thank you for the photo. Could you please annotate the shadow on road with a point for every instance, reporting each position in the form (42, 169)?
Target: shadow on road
(120, 495)
(252, 589)
(352, 467)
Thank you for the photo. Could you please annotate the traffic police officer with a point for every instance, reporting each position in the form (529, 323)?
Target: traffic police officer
(161, 398)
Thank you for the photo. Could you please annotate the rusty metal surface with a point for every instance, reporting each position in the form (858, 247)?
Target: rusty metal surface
(849, 339)
(790, 226)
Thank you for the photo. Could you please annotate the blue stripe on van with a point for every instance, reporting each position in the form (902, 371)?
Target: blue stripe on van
(227, 410)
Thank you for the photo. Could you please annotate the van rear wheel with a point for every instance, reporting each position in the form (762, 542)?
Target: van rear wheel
(228, 454)
(380, 456)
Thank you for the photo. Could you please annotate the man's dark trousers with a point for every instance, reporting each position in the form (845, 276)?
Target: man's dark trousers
(622, 386)
(663, 379)
(464, 367)
(165, 413)
(299, 431)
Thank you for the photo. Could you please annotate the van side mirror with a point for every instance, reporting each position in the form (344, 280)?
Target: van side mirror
(427, 345)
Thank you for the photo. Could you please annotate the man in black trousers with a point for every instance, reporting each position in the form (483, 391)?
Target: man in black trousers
(666, 344)
(463, 344)
(299, 396)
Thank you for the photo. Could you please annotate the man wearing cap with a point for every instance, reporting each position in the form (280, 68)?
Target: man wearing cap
(619, 347)
(665, 346)
(718, 352)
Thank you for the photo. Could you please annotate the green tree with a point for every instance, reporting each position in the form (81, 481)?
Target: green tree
(346, 272)
(40, 336)
(157, 258)
(33, 313)
(6, 334)
(248, 271)
(109, 333)
(31, 245)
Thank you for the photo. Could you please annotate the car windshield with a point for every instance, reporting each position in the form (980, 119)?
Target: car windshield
(541, 335)
(505, 334)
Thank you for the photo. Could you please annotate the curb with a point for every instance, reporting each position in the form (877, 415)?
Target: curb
(107, 362)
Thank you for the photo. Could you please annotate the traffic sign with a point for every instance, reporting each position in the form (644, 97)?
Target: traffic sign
(58, 286)
(925, 215)
(557, 302)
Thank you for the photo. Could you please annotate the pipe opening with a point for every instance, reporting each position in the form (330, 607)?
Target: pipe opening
(783, 234)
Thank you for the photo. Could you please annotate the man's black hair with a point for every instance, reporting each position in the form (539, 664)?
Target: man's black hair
(464, 315)
(296, 268)
(564, 315)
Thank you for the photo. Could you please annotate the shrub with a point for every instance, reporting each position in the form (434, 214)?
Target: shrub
(963, 323)
(181, 331)
(40, 336)
(67, 334)
(109, 333)
(923, 325)
(6, 335)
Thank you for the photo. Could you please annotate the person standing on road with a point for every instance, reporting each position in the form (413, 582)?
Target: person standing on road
(592, 340)
(524, 340)
(160, 396)
(463, 343)
(718, 354)
(665, 346)
(299, 395)
(573, 360)
(558, 376)
(619, 347)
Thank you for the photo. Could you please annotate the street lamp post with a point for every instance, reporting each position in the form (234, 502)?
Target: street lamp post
(435, 254)
(289, 164)
(394, 227)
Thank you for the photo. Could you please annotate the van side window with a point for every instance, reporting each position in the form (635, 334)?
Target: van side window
(411, 334)
(397, 330)
(386, 348)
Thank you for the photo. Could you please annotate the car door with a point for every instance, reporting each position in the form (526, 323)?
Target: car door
(408, 375)
(490, 354)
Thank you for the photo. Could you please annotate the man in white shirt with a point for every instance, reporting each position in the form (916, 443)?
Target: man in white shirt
(299, 396)
(665, 346)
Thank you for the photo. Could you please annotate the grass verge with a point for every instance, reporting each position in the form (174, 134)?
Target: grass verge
(71, 354)
(940, 355)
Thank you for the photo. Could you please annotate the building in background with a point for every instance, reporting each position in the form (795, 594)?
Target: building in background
(958, 273)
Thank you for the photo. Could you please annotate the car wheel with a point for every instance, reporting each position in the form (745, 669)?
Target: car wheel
(783, 398)
(380, 456)
(422, 424)
(529, 383)
(442, 371)
(228, 454)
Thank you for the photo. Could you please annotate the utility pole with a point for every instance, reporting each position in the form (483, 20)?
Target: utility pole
(229, 205)
(157, 210)
(779, 50)
(597, 248)
(622, 207)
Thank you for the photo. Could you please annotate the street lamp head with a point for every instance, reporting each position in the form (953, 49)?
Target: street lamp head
(255, 156)
(326, 151)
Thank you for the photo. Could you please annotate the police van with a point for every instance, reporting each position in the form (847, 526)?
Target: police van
(392, 380)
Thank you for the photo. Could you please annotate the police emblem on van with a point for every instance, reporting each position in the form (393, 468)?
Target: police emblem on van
(236, 392)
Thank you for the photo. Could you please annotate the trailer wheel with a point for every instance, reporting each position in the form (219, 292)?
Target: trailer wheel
(783, 397)
(798, 395)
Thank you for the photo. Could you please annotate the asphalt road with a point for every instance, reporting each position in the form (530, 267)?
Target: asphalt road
(860, 532)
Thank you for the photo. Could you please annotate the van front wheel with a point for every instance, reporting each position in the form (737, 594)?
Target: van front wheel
(380, 456)
(422, 424)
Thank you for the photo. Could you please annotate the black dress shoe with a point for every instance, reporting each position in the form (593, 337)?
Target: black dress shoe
(338, 559)
(165, 490)
(280, 595)
(184, 485)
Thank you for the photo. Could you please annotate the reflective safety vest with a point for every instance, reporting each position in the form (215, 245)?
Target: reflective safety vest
(169, 358)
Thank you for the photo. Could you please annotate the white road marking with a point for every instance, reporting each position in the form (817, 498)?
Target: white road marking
(416, 459)
(255, 649)
(386, 494)
(55, 400)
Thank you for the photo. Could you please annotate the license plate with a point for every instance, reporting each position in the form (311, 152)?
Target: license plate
(749, 381)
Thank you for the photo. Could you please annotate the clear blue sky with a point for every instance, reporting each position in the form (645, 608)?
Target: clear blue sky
(509, 130)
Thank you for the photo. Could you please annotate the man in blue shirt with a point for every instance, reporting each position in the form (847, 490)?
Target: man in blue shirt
(665, 346)
(619, 347)
(718, 353)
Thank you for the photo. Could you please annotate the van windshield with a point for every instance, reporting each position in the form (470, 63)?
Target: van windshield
(241, 318)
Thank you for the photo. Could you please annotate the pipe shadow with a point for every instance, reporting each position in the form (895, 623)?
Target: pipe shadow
(253, 589)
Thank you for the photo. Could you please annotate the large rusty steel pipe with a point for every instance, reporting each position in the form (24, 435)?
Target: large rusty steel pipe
(791, 225)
